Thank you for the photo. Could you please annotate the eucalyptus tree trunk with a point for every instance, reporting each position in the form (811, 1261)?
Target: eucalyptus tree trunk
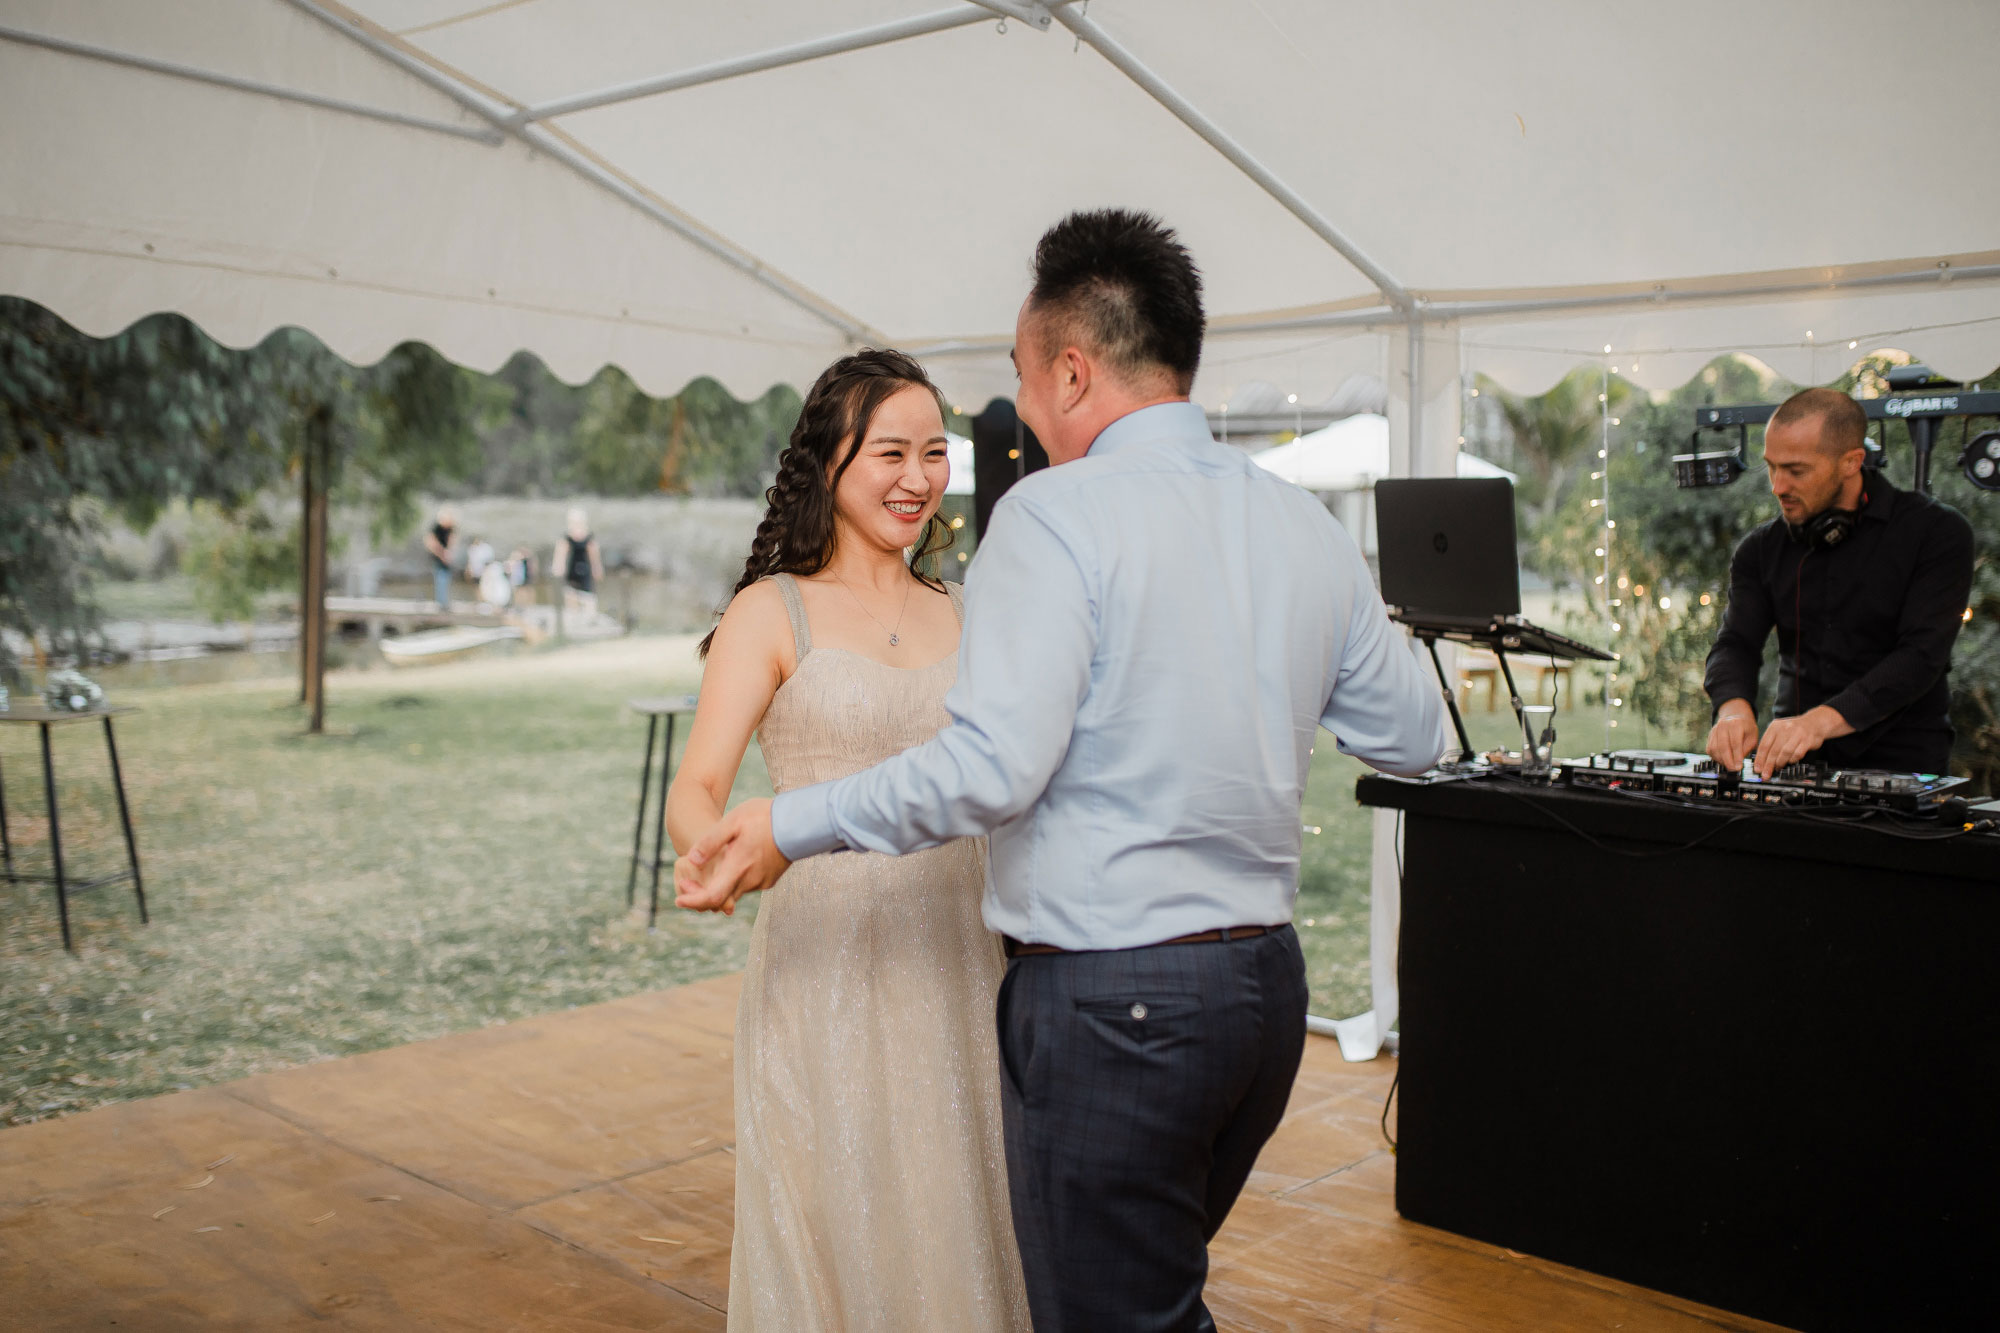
(315, 465)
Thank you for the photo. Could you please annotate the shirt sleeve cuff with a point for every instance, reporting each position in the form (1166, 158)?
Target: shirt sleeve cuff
(802, 822)
(1854, 709)
(1723, 691)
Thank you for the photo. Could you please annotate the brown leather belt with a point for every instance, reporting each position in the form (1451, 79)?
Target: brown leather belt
(1016, 949)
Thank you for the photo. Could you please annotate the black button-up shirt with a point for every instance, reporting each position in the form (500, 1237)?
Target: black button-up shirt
(1865, 627)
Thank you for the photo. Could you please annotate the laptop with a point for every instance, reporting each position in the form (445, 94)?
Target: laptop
(1446, 548)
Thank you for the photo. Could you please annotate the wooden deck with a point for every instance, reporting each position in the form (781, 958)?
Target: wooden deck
(574, 1173)
(404, 615)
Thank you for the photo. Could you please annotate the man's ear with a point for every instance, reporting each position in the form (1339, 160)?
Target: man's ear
(1851, 461)
(1075, 378)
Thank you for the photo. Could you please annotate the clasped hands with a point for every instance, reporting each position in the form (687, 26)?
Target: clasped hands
(735, 857)
(1786, 741)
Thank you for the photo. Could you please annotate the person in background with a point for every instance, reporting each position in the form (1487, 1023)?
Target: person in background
(441, 541)
(1866, 586)
(495, 588)
(521, 573)
(578, 561)
(478, 555)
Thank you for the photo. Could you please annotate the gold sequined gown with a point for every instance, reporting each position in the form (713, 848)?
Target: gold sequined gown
(871, 1178)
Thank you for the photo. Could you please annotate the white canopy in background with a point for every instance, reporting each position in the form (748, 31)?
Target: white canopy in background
(1413, 191)
(1351, 455)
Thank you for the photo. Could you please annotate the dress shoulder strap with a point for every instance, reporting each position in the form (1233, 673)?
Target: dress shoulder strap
(957, 594)
(795, 607)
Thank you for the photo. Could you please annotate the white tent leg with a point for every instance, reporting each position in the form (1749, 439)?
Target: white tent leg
(1415, 366)
(1363, 1036)
(1423, 401)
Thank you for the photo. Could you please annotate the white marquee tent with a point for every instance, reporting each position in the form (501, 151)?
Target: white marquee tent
(1414, 191)
(742, 190)
(1342, 462)
(1352, 455)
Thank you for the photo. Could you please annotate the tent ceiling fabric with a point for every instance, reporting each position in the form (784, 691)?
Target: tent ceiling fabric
(1473, 154)
(123, 193)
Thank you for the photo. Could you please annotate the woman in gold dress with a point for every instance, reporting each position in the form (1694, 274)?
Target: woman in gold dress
(871, 1188)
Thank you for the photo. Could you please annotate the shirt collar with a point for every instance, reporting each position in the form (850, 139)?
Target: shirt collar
(1878, 497)
(1161, 421)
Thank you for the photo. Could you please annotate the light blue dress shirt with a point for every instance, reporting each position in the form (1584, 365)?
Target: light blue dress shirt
(1153, 635)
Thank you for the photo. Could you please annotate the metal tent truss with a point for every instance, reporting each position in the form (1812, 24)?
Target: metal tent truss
(525, 122)
(1399, 307)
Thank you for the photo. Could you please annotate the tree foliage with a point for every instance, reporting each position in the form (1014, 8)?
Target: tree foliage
(396, 428)
(234, 556)
(1666, 544)
(702, 441)
(540, 437)
(399, 426)
(98, 429)
(1557, 434)
(117, 426)
(1975, 713)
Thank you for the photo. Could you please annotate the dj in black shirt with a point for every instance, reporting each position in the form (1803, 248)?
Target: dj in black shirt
(1866, 586)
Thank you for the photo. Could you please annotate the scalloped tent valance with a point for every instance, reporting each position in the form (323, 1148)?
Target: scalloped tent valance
(745, 190)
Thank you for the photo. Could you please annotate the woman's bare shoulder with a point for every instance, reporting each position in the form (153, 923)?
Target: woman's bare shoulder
(757, 623)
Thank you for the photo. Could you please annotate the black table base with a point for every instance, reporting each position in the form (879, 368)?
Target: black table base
(657, 711)
(65, 884)
(1762, 1073)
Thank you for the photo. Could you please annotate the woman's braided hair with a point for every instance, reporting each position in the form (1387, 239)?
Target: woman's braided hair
(797, 533)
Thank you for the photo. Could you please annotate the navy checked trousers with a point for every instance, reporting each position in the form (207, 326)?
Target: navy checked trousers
(1138, 1087)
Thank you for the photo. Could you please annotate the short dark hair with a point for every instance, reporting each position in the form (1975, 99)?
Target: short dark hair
(1842, 424)
(1120, 284)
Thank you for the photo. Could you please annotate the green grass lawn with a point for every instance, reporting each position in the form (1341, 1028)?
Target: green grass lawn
(455, 856)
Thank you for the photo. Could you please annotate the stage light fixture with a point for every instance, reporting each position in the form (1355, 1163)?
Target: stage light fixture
(1698, 470)
(1980, 460)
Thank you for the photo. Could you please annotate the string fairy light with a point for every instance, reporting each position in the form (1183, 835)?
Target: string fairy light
(1602, 504)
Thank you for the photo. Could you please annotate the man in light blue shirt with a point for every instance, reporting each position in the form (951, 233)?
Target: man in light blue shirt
(1155, 629)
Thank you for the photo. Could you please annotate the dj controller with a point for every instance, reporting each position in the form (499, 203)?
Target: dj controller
(1696, 776)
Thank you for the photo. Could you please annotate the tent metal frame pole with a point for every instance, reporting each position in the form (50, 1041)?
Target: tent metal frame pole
(1185, 111)
(173, 69)
(1036, 13)
(1918, 278)
(1379, 317)
(1416, 405)
(959, 16)
(497, 114)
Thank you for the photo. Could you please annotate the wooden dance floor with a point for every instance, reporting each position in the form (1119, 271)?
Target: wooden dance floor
(574, 1173)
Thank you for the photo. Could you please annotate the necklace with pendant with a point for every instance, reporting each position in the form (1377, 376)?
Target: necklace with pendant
(893, 631)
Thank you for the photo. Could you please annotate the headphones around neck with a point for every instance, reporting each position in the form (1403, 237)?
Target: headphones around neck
(1828, 528)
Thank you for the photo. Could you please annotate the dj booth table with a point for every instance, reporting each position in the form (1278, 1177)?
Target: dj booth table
(1762, 1072)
